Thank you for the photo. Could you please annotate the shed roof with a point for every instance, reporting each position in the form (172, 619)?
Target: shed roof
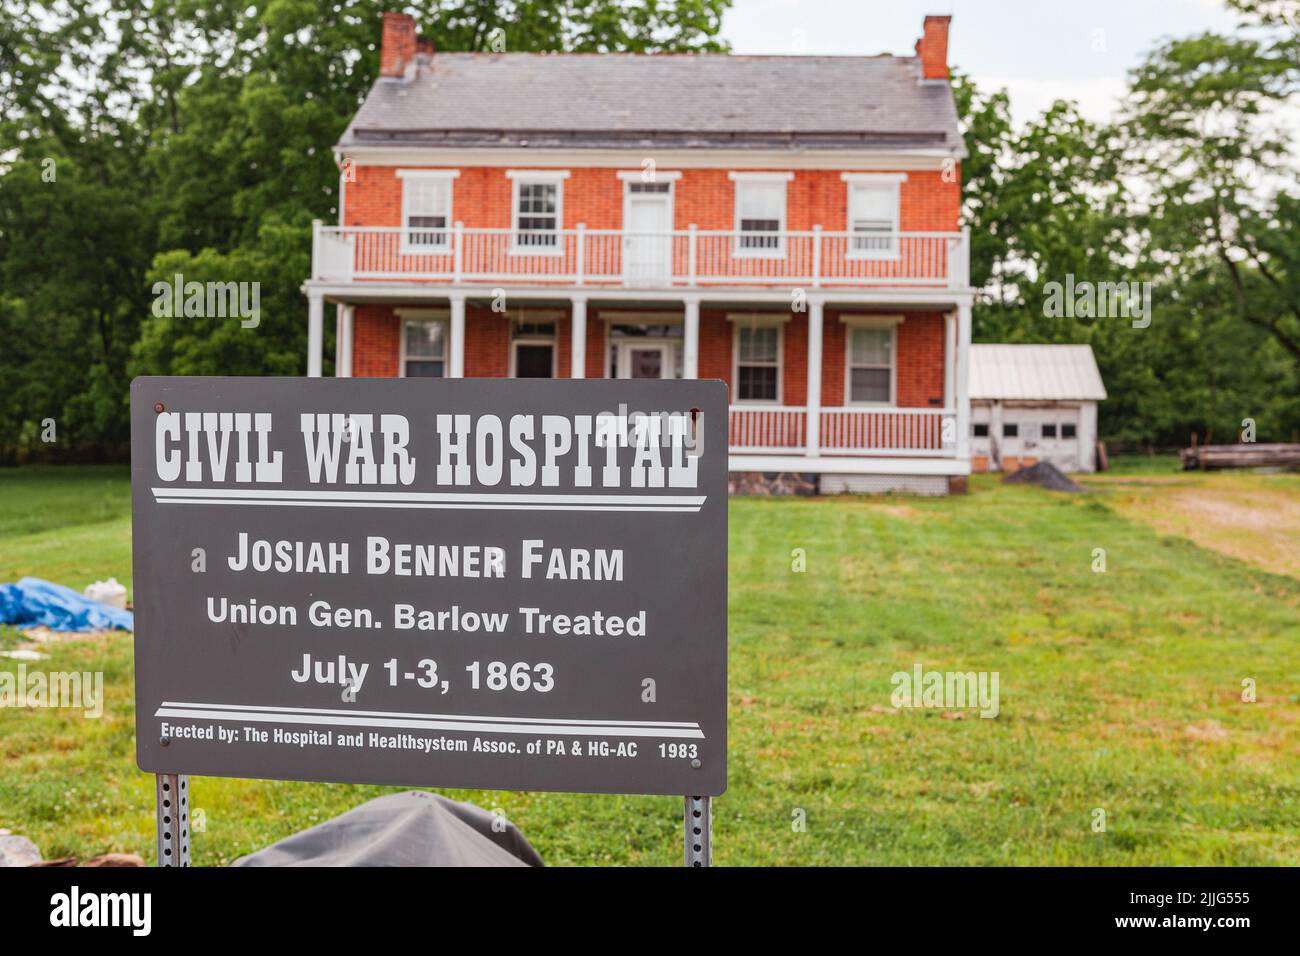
(668, 100)
(1035, 373)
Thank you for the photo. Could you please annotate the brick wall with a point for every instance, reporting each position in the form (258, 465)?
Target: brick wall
(920, 364)
(481, 197)
(376, 347)
(929, 201)
(487, 342)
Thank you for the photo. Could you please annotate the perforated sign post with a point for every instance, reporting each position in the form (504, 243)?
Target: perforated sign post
(498, 584)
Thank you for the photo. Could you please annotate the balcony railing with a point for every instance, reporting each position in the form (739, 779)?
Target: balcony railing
(683, 258)
(783, 430)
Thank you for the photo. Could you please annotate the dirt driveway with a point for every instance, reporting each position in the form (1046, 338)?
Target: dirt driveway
(1253, 517)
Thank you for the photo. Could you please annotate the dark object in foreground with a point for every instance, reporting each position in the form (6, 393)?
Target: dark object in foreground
(414, 828)
(1246, 455)
(1045, 474)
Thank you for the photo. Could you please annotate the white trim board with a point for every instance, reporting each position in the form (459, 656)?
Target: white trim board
(832, 160)
(848, 465)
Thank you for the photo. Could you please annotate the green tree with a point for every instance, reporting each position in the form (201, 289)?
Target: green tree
(194, 138)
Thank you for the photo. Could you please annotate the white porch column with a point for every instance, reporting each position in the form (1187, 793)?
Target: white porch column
(578, 339)
(691, 339)
(949, 360)
(813, 428)
(963, 381)
(343, 342)
(456, 361)
(315, 333)
(349, 332)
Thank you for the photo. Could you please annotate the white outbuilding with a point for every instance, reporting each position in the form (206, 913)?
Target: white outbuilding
(1032, 403)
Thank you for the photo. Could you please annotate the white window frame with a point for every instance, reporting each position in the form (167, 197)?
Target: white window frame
(757, 321)
(529, 177)
(739, 180)
(893, 182)
(889, 322)
(408, 316)
(445, 176)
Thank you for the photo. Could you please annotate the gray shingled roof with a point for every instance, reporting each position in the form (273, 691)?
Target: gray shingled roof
(679, 100)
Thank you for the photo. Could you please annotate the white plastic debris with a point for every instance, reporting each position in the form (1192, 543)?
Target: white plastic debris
(18, 851)
(107, 592)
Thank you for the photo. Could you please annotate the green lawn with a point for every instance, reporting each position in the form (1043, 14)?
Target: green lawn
(1120, 691)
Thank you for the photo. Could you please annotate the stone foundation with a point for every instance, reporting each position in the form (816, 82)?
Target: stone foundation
(771, 483)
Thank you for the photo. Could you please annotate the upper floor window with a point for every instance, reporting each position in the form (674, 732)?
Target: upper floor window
(426, 209)
(424, 348)
(871, 359)
(758, 362)
(538, 204)
(760, 213)
(873, 214)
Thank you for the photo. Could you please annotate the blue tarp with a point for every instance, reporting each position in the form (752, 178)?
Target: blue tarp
(36, 603)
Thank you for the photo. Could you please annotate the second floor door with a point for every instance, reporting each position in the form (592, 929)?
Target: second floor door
(647, 238)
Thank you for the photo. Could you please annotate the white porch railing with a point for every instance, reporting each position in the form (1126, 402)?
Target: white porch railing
(782, 430)
(689, 258)
(767, 430)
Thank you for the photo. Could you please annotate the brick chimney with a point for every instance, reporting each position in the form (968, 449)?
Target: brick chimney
(932, 48)
(397, 48)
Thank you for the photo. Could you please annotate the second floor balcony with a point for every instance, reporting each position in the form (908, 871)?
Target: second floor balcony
(688, 258)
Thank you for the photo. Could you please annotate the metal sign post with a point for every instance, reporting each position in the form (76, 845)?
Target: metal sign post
(699, 831)
(173, 798)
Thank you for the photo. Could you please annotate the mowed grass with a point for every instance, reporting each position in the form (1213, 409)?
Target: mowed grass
(1120, 691)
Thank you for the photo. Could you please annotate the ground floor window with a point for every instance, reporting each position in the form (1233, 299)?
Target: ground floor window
(424, 348)
(871, 366)
(758, 363)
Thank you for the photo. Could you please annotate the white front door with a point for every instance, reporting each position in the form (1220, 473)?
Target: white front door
(642, 360)
(647, 239)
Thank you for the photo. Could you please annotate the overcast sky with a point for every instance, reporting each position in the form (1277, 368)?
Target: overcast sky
(1040, 50)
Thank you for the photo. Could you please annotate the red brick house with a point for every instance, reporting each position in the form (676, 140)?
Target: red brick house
(786, 224)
